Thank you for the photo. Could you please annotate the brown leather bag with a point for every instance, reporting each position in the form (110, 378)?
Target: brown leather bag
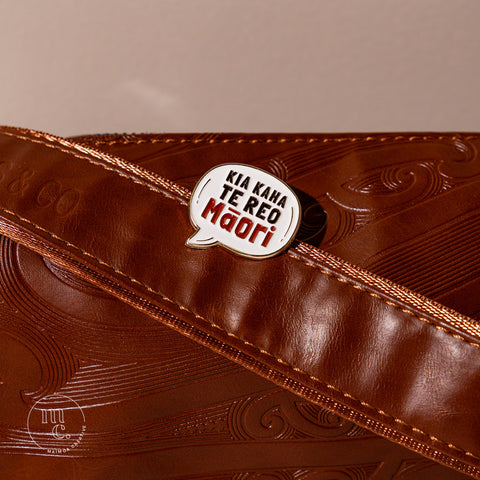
(126, 354)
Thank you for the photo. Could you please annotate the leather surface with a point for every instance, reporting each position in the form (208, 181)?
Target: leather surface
(390, 194)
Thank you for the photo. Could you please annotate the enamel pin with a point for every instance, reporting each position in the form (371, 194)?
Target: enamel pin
(246, 210)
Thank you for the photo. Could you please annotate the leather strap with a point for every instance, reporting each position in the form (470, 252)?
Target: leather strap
(393, 361)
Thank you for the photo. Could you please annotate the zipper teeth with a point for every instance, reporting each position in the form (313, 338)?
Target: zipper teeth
(30, 241)
(395, 292)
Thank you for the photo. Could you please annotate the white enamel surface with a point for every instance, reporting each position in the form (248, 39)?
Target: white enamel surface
(244, 209)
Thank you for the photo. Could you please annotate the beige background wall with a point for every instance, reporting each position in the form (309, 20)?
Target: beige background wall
(86, 66)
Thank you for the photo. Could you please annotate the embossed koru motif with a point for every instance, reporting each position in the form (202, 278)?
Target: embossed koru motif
(383, 189)
(281, 415)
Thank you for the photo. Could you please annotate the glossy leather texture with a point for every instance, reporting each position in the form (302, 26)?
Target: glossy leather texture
(308, 335)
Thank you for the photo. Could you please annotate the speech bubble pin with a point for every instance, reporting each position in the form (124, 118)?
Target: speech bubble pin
(244, 209)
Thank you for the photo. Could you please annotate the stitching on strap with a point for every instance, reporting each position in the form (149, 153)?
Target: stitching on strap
(100, 164)
(245, 342)
(314, 266)
(384, 300)
(153, 140)
(262, 351)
